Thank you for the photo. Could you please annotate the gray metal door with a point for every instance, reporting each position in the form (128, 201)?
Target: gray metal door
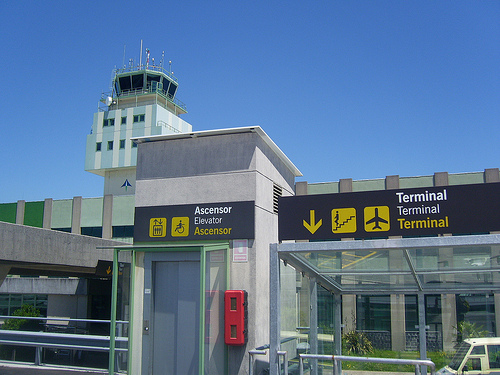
(175, 314)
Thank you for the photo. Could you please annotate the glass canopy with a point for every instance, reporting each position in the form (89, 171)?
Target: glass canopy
(416, 286)
(431, 265)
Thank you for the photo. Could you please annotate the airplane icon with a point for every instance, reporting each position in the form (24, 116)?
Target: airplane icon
(377, 219)
(126, 184)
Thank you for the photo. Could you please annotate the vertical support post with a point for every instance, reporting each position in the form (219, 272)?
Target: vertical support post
(274, 309)
(107, 216)
(114, 299)
(313, 323)
(337, 365)
(131, 317)
(422, 330)
(201, 356)
(38, 356)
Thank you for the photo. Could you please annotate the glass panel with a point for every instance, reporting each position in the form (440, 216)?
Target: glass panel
(475, 315)
(326, 319)
(41, 304)
(295, 312)
(125, 83)
(411, 313)
(137, 81)
(172, 89)
(123, 306)
(15, 302)
(494, 356)
(459, 356)
(29, 299)
(478, 350)
(166, 85)
(215, 286)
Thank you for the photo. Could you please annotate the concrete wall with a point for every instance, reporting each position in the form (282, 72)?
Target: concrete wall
(57, 250)
(222, 168)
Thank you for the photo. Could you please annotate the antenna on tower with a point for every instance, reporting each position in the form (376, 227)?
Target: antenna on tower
(123, 62)
(162, 57)
(140, 57)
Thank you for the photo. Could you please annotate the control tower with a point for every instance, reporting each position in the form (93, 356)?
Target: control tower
(142, 102)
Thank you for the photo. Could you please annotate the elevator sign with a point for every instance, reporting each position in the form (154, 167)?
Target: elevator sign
(456, 209)
(209, 221)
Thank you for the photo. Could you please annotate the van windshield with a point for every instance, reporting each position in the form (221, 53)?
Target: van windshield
(459, 356)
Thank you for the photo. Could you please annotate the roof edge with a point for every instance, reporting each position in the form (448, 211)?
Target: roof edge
(208, 133)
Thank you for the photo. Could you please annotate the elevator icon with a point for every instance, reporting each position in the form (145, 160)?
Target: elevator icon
(158, 227)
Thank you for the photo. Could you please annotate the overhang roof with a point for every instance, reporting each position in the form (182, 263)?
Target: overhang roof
(438, 265)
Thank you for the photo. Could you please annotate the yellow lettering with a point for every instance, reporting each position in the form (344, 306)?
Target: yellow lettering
(423, 224)
(211, 231)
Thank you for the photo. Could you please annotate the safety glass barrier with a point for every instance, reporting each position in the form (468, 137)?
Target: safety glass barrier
(121, 310)
(394, 298)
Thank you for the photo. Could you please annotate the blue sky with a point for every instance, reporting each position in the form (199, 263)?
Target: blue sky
(347, 89)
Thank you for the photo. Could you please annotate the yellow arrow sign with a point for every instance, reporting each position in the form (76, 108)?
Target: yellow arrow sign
(312, 226)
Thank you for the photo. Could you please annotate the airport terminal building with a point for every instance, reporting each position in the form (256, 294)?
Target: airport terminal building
(208, 247)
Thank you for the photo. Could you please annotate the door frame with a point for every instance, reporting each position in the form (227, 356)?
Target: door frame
(203, 248)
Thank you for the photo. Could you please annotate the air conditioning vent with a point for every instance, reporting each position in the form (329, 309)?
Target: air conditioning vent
(277, 192)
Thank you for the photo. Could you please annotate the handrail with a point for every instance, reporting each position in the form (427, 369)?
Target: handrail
(280, 353)
(53, 318)
(61, 340)
(57, 340)
(251, 354)
(394, 361)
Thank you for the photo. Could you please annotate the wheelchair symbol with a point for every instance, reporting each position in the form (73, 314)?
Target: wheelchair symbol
(180, 226)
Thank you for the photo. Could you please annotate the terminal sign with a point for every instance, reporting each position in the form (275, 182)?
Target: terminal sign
(459, 209)
(227, 220)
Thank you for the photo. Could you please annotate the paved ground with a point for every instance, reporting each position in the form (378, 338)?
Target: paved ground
(42, 370)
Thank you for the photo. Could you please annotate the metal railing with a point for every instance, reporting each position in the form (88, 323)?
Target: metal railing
(58, 340)
(394, 361)
(156, 68)
(137, 92)
(167, 126)
(255, 352)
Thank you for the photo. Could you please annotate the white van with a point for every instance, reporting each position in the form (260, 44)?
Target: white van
(475, 356)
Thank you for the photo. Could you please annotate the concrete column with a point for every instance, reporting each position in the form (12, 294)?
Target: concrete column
(398, 322)
(392, 182)
(76, 217)
(4, 271)
(345, 185)
(441, 179)
(47, 213)
(20, 212)
(449, 321)
(349, 312)
(492, 175)
(107, 217)
(301, 188)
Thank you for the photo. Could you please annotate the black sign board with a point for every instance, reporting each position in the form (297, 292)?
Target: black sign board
(207, 221)
(104, 268)
(428, 211)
